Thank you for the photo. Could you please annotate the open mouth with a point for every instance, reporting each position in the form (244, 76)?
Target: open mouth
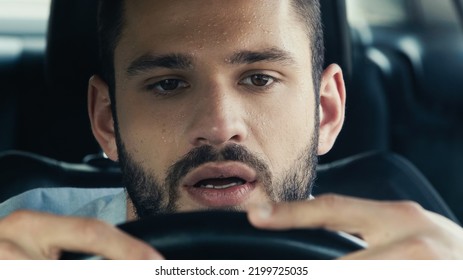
(220, 183)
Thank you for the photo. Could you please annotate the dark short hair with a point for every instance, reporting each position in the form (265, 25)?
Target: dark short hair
(111, 23)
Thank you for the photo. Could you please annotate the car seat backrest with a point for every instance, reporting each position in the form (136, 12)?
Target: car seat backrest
(336, 34)
(366, 126)
(420, 65)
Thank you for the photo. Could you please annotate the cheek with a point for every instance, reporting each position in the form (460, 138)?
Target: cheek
(285, 129)
(149, 134)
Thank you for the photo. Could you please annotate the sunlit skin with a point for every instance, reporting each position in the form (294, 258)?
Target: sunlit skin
(217, 101)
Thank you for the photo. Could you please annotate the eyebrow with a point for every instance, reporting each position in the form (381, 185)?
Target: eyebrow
(170, 61)
(270, 55)
(184, 62)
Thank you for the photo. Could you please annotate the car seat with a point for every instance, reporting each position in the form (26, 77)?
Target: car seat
(419, 64)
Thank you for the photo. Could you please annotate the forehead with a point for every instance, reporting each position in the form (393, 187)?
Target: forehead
(209, 25)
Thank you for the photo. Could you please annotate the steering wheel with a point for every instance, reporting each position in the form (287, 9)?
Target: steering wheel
(230, 236)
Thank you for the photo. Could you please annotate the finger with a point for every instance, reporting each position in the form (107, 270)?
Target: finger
(373, 221)
(99, 238)
(45, 236)
(11, 251)
(327, 211)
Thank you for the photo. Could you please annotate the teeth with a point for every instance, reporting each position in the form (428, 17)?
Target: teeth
(219, 187)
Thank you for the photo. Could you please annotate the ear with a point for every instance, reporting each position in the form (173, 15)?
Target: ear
(101, 117)
(332, 107)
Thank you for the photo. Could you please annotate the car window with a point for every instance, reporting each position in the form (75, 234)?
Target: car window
(431, 14)
(23, 16)
(377, 12)
(440, 14)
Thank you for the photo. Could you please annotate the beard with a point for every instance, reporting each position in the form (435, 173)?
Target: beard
(151, 196)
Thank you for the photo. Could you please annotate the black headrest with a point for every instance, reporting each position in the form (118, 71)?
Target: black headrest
(380, 176)
(337, 34)
(72, 50)
(72, 40)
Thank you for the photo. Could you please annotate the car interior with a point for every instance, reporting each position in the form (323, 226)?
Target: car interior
(404, 103)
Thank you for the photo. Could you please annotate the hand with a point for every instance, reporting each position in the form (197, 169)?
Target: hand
(33, 235)
(393, 230)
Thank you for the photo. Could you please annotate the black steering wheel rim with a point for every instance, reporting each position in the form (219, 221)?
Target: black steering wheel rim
(223, 235)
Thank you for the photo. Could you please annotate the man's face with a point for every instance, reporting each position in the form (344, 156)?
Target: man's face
(215, 104)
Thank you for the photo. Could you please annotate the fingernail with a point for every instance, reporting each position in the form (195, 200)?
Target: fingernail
(264, 210)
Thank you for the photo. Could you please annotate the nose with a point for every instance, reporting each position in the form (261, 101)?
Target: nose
(219, 117)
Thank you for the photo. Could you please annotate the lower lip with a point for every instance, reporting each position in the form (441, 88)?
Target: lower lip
(232, 196)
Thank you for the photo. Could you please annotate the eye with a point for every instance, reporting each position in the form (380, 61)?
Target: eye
(168, 85)
(258, 80)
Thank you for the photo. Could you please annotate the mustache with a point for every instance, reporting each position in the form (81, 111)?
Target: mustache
(206, 153)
